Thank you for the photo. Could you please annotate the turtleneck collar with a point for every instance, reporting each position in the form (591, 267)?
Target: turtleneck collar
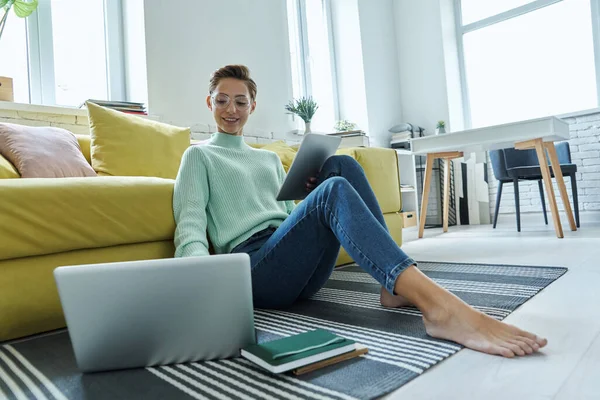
(226, 140)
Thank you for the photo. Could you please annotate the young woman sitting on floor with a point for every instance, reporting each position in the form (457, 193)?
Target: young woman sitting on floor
(229, 189)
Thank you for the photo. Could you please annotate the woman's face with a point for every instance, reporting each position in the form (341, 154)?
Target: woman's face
(231, 105)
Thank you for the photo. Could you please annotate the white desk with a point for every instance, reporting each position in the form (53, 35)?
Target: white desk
(539, 134)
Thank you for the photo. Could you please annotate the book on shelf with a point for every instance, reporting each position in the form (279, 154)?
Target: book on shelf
(348, 133)
(124, 106)
(354, 141)
(401, 136)
(305, 349)
(401, 140)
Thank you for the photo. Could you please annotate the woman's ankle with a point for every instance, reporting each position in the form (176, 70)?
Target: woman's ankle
(430, 298)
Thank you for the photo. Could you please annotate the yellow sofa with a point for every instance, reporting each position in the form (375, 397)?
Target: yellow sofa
(46, 223)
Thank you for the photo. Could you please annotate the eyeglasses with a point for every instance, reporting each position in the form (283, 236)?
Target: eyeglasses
(222, 101)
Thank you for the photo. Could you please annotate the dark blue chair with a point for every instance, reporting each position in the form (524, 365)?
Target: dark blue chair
(511, 165)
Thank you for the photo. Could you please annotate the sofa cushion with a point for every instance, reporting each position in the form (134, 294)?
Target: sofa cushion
(45, 216)
(128, 145)
(85, 145)
(381, 168)
(285, 152)
(7, 170)
(43, 152)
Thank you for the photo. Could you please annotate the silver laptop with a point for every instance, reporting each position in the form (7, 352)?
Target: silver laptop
(157, 312)
(314, 150)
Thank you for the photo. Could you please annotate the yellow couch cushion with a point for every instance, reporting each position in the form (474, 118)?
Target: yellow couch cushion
(285, 152)
(7, 170)
(128, 145)
(85, 142)
(44, 216)
(394, 223)
(381, 169)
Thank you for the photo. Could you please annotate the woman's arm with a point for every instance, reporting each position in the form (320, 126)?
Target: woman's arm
(190, 198)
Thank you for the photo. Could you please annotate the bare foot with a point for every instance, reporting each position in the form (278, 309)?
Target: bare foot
(388, 300)
(458, 322)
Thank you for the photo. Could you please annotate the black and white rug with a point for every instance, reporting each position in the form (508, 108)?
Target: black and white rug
(399, 348)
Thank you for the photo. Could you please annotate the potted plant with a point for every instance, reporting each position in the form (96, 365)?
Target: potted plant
(22, 9)
(440, 127)
(344, 126)
(305, 108)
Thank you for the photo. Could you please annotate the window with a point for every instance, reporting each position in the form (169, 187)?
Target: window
(66, 52)
(14, 44)
(311, 51)
(526, 59)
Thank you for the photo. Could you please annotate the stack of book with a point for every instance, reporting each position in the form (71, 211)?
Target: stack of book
(401, 140)
(123, 106)
(356, 138)
(303, 353)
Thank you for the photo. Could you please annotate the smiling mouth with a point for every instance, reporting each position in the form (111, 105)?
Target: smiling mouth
(231, 120)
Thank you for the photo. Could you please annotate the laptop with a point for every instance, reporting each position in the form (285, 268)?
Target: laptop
(157, 312)
(314, 150)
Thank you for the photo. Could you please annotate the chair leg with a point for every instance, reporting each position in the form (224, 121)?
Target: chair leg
(517, 206)
(543, 201)
(498, 197)
(575, 197)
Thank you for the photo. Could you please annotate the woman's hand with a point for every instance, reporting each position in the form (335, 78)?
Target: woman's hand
(311, 184)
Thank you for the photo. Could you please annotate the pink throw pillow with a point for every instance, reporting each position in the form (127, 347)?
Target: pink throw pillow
(44, 152)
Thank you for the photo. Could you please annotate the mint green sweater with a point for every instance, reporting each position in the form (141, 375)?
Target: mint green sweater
(228, 189)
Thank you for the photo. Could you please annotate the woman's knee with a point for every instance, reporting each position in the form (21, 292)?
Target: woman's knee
(341, 161)
(334, 185)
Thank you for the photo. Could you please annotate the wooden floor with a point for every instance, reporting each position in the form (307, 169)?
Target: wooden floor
(567, 313)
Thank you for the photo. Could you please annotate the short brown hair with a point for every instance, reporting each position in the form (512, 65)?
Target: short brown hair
(240, 72)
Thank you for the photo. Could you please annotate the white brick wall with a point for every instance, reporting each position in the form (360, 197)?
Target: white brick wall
(585, 152)
(76, 121)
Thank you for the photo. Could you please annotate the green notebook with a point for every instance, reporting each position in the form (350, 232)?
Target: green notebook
(297, 351)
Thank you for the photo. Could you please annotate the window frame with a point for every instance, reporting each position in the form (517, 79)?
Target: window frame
(306, 83)
(533, 6)
(40, 51)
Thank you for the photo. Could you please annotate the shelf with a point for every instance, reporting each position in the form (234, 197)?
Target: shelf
(407, 190)
(404, 152)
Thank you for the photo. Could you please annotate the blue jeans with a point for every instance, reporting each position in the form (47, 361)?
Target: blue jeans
(295, 260)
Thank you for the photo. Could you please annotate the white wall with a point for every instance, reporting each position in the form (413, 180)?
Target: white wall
(420, 43)
(349, 62)
(187, 40)
(367, 66)
(382, 76)
(135, 51)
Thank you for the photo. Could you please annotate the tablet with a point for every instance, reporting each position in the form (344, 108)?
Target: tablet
(314, 150)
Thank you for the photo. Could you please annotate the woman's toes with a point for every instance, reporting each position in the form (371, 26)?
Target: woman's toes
(505, 352)
(532, 343)
(523, 345)
(541, 342)
(514, 348)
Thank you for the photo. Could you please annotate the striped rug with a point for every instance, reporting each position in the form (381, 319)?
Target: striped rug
(399, 348)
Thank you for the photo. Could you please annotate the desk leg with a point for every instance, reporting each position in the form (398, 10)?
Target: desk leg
(426, 186)
(447, 166)
(541, 153)
(561, 183)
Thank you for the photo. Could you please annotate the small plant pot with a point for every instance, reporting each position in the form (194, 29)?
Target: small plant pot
(307, 128)
(439, 131)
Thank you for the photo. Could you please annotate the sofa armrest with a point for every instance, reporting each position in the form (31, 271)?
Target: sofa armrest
(381, 168)
(52, 215)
